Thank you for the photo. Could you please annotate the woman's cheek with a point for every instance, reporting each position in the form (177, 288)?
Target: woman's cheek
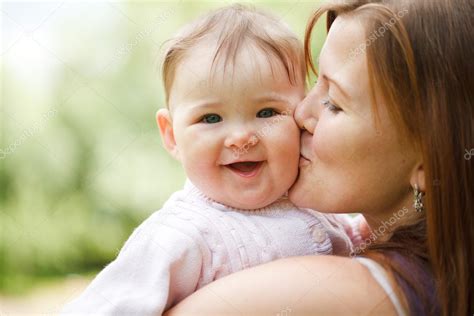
(325, 144)
(340, 139)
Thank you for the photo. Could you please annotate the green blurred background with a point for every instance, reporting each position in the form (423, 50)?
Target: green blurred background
(81, 161)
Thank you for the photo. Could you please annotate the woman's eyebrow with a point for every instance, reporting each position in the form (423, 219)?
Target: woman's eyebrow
(338, 85)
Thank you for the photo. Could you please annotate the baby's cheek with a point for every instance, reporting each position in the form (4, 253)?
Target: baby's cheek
(283, 154)
(288, 141)
(202, 146)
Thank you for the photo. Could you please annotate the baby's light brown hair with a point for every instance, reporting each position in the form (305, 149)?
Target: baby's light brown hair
(231, 28)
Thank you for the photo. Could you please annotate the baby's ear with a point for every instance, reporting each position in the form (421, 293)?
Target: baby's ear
(165, 124)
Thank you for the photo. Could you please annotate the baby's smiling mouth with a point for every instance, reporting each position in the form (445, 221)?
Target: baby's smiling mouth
(245, 169)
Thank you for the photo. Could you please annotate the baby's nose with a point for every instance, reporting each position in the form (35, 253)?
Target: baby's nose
(241, 138)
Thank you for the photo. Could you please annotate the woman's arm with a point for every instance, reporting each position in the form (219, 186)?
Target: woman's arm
(313, 285)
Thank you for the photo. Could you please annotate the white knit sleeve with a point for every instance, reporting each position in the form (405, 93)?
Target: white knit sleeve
(157, 267)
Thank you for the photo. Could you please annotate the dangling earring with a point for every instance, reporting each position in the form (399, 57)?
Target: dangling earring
(418, 199)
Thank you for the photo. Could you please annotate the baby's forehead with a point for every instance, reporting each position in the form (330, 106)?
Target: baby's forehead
(249, 79)
(248, 63)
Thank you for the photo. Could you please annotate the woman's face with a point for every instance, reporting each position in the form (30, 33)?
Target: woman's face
(348, 163)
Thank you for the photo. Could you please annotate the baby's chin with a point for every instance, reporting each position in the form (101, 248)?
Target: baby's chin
(251, 196)
(249, 205)
(247, 200)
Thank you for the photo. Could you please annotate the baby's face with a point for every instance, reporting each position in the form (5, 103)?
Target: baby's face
(235, 134)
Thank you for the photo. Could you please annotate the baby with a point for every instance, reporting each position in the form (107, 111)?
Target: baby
(232, 81)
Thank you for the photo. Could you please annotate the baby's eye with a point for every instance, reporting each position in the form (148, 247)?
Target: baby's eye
(331, 107)
(211, 119)
(267, 113)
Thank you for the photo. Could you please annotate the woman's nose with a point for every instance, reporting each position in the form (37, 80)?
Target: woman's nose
(240, 138)
(306, 113)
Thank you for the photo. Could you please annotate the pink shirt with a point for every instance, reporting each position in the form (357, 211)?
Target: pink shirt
(194, 240)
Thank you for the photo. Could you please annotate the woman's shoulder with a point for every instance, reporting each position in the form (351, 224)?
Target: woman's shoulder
(309, 285)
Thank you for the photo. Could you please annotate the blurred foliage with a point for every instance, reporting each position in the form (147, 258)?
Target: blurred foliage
(82, 162)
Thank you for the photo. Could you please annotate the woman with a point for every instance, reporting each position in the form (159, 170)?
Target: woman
(384, 132)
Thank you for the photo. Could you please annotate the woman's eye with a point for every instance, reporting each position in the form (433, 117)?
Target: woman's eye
(267, 113)
(211, 119)
(330, 106)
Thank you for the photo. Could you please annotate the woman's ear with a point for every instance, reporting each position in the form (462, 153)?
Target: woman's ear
(165, 124)
(418, 177)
